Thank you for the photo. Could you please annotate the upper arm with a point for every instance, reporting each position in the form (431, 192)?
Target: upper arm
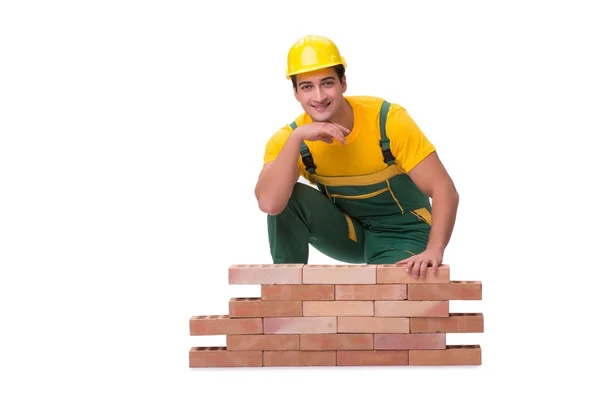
(430, 174)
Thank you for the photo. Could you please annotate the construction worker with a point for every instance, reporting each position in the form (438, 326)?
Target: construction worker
(372, 173)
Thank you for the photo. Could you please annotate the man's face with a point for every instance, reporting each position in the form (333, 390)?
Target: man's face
(320, 93)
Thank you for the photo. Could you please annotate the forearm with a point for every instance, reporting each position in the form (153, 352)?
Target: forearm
(276, 182)
(443, 216)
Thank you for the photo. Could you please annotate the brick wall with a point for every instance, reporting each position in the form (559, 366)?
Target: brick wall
(340, 315)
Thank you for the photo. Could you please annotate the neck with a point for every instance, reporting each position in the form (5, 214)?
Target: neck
(344, 116)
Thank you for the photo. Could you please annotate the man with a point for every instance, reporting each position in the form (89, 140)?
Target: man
(373, 168)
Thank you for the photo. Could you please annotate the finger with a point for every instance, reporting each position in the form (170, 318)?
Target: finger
(337, 133)
(342, 127)
(424, 266)
(326, 139)
(416, 270)
(435, 266)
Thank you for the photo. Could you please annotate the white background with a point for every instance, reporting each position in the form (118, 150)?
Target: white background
(132, 134)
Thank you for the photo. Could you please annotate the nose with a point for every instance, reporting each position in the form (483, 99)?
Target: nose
(320, 97)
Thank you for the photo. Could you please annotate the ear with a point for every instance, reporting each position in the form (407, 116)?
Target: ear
(296, 95)
(344, 85)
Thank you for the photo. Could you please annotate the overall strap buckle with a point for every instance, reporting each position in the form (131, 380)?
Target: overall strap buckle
(384, 143)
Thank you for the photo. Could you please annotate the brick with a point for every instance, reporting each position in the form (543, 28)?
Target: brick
(337, 341)
(244, 307)
(218, 356)
(391, 273)
(333, 308)
(372, 357)
(297, 292)
(265, 274)
(410, 308)
(406, 341)
(451, 355)
(263, 342)
(299, 325)
(454, 323)
(371, 292)
(339, 274)
(373, 325)
(223, 324)
(454, 290)
(299, 358)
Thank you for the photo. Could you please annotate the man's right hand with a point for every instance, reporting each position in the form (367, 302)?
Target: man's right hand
(323, 131)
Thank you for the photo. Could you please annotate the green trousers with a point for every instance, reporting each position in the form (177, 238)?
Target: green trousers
(312, 219)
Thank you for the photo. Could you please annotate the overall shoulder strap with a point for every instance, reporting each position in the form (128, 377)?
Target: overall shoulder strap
(388, 157)
(307, 158)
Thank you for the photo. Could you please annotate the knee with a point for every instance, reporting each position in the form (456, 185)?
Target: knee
(299, 197)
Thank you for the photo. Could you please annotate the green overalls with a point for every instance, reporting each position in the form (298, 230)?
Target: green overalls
(378, 218)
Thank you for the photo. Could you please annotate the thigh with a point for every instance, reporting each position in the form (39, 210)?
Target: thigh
(391, 246)
(331, 232)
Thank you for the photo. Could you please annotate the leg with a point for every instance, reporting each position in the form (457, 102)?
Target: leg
(405, 237)
(311, 218)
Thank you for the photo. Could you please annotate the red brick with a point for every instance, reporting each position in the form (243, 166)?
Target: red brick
(263, 342)
(333, 308)
(451, 355)
(391, 273)
(297, 292)
(337, 341)
(410, 308)
(299, 358)
(218, 356)
(298, 325)
(372, 357)
(406, 341)
(373, 325)
(244, 307)
(223, 324)
(455, 290)
(455, 323)
(371, 292)
(339, 274)
(265, 274)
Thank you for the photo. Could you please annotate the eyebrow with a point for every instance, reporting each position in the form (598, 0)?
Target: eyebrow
(322, 80)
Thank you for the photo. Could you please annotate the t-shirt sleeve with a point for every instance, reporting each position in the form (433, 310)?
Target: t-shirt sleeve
(276, 143)
(407, 142)
(274, 146)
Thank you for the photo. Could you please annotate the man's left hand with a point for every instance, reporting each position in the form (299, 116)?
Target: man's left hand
(417, 265)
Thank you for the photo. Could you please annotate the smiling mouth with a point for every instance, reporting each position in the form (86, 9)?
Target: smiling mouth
(321, 107)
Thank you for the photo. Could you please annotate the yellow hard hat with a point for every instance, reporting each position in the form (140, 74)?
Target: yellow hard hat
(311, 53)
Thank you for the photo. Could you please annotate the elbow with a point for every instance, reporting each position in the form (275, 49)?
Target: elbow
(270, 207)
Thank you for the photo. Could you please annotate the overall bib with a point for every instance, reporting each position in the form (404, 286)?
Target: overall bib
(378, 218)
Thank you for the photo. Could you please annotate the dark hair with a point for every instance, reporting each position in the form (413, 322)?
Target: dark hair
(339, 70)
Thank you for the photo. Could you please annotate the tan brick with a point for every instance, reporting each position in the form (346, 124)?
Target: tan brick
(410, 308)
(263, 342)
(298, 325)
(244, 307)
(391, 273)
(373, 325)
(406, 341)
(218, 356)
(372, 357)
(297, 292)
(454, 323)
(223, 324)
(455, 290)
(299, 358)
(339, 274)
(340, 308)
(451, 355)
(337, 341)
(371, 292)
(265, 274)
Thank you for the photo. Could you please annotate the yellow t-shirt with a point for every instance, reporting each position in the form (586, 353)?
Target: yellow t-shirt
(362, 153)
